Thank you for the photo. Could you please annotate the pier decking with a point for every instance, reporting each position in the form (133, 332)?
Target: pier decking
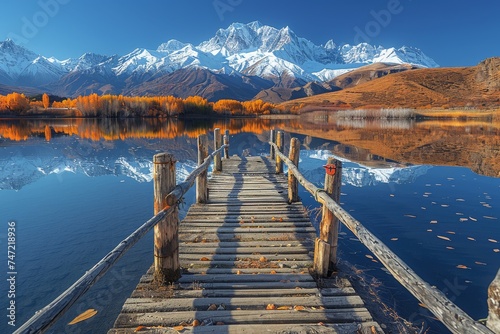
(245, 258)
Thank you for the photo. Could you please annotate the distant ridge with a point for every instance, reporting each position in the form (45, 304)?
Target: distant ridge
(476, 87)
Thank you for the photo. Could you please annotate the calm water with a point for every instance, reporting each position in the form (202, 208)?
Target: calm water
(77, 188)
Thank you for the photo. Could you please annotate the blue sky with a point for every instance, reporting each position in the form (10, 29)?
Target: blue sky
(454, 33)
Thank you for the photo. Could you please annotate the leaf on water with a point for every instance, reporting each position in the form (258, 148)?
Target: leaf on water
(496, 250)
(461, 266)
(480, 263)
(489, 217)
(463, 220)
(369, 256)
(410, 216)
(471, 238)
(84, 316)
(460, 200)
(394, 239)
(444, 205)
(450, 232)
(434, 221)
(493, 241)
(450, 248)
(429, 230)
(444, 238)
(391, 195)
(473, 219)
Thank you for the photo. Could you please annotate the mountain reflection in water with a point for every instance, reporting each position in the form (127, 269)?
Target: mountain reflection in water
(475, 145)
(66, 182)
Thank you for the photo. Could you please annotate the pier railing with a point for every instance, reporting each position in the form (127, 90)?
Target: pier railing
(167, 196)
(325, 253)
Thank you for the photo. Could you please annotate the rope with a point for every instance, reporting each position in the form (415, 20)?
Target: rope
(316, 193)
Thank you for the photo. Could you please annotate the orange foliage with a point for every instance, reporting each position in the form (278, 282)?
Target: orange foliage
(46, 101)
(14, 102)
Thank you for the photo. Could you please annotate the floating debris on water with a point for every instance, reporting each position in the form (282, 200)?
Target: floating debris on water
(461, 266)
(423, 208)
(444, 205)
(450, 248)
(463, 219)
(496, 250)
(471, 239)
(410, 216)
(460, 200)
(490, 217)
(480, 263)
(429, 230)
(444, 238)
(391, 195)
(450, 232)
(473, 219)
(394, 239)
(434, 221)
(493, 241)
(459, 214)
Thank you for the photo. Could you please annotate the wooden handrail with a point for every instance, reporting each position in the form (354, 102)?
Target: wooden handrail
(47, 316)
(444, 309)
(175, 195)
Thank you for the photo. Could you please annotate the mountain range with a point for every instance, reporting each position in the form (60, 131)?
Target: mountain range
(238, 62)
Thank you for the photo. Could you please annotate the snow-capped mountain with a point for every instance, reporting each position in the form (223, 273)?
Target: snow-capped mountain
(248, 50)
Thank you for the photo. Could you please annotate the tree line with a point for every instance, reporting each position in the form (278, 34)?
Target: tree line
(95, 105)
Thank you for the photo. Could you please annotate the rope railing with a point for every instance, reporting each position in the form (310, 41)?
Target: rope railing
(47, 316)
(444, 309)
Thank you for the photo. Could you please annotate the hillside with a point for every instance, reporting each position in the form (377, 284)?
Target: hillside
(476, 86)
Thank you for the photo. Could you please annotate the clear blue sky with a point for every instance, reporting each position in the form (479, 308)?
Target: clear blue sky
(454, 33)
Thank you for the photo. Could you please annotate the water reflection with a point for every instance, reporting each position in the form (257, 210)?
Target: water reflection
(475, 145)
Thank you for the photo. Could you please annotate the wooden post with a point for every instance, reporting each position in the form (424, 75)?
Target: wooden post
(166, 239)
(217, 145)
(293, 184)
(272, 139)
(329, 225)
(201, 180)
(493, 321)
(280, 140)
(226, 142)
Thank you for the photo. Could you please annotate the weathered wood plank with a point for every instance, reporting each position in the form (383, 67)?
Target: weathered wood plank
(348, 328)
(243, 317)
(253, 303)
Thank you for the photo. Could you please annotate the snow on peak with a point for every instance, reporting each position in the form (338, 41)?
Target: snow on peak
(171, 45)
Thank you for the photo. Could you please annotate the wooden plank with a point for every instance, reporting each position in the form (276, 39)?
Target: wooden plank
(144, 292)
(254, 303)
(244, 250)
(243, 317)
(369, 327)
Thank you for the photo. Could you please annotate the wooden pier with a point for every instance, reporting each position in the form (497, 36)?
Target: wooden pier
(245, 258)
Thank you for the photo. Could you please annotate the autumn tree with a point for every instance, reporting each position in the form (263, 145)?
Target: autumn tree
(228, 106)
(46, 101)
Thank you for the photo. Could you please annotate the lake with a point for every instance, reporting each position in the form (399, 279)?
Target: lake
(76, 188)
